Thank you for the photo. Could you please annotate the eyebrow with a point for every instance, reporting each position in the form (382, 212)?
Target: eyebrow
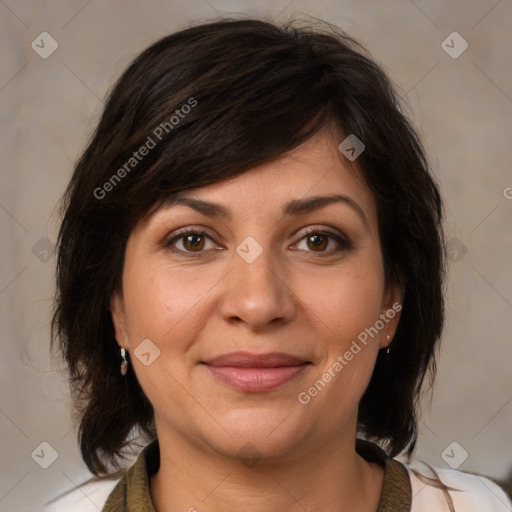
(292, 208)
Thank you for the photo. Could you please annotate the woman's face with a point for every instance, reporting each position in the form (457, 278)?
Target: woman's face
(270, 265)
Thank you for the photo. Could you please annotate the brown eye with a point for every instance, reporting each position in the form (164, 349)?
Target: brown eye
(193, 242)
(317, 242)
(324, 242)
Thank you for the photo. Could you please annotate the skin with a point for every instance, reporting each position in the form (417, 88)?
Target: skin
(304, 298)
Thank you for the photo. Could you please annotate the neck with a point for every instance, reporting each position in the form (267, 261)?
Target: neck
(330, 477)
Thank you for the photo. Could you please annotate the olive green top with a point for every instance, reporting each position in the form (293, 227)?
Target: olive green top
(131, 494)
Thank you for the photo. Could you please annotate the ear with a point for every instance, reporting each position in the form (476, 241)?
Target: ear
(119, 320)
(390, 313)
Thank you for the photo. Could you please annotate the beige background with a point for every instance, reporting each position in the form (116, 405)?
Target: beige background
(462, 107)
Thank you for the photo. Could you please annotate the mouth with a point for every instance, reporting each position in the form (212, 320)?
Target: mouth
(256, 372)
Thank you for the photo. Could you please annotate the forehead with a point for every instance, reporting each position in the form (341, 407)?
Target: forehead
(314, 169)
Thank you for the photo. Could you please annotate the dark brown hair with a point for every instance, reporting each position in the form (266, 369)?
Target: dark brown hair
(255, 90)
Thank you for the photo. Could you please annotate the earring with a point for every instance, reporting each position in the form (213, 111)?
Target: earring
(124, 363)
(387, 341)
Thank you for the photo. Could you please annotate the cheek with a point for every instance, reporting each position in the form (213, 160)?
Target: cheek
(162, 306)
(343, 307)
(170, 308)
(158, 299)
(344, 302)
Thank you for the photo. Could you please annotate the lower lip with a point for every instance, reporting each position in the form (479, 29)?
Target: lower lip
(255, 379)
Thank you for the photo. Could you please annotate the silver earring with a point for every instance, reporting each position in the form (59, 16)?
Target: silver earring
(387, 341)
(124, 363)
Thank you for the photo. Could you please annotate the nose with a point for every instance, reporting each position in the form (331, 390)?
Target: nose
(258, 293)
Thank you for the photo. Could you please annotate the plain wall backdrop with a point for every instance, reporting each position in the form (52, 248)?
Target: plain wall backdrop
(459, 100)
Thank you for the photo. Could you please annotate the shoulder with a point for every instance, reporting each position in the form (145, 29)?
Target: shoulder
(85, 498)
(436, 488)
(113, 494)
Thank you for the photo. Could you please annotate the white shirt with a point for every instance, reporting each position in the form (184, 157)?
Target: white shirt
(476, 493)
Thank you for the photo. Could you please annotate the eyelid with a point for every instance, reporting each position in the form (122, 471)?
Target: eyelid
(340, 238)
(183, 232)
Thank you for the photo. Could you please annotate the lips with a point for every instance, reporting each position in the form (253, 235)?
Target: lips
(256, 372)
(248, 360)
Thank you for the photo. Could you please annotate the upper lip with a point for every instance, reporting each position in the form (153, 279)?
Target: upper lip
(248, 360)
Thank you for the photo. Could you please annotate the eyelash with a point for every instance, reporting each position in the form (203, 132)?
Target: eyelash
(344, 243)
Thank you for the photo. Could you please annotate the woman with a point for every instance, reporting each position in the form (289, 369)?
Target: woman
(250, 275)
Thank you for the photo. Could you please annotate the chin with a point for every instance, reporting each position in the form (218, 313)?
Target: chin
(256, 434)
